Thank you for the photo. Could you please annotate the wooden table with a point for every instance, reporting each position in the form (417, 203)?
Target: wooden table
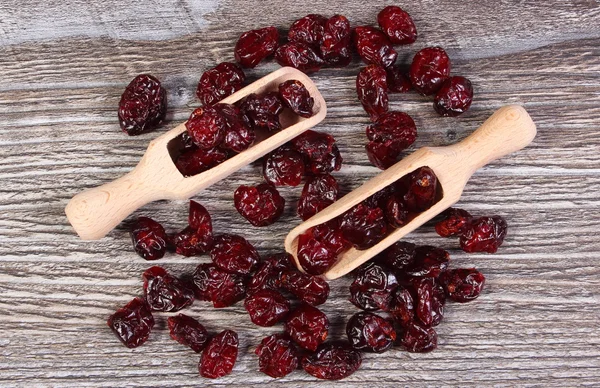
(63, 68)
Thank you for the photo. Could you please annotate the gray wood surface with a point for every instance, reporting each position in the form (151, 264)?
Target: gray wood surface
(63, 66)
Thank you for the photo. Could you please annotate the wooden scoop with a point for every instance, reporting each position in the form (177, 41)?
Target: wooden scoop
(508, 130)
(95, 212)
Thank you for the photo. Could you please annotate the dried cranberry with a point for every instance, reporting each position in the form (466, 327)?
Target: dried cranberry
(421, 189)
(234, 254)
(255, 45)
(332, 362)
(207, 128)
(199, 218)
(219, 357)
(189, 242)
(269, 273)
(401, 306)
(396, 129)
(419, 339)
(455, 222)
(380, 198)
(335, 48)
(454, 97)
(429, 262)
(219, 82)
(397, 80)
(188, 331)
(262, 112)
(463, 284)
(295, 96)
(374, 47)
(164, 292)
(329, 163)
(277, 356)
(396, 213)
(364, 226)
(398, 256)
(238, 135)
(299, 56)
(484, 234)
(149, 238)
(372, 287)
(369, 332)
(429, 69)
(143, 105)
(319, 246)
(308, 30)
(430, 301)
(397, 25)
(283, 167)
(318, 193)
(218, 286)
(372, 90)
(266, 307)
(309, 289)
(132, 323)
(307, 326)
(313, 145)
(195, 161)
(381, 155)
(261, 205)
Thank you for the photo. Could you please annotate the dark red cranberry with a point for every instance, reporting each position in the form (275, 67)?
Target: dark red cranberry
(314, 145)
(194, 161)
(374, 47)
(364, 226)
(234, 254)
(484, 234)
(429, 69)
(419, 339)
(261, 205)
(397, 25)
(308, 30)
(381, 155)
(270, 272)
(335, 48)
(262, 112)
(219, 82)
(132, 323)
(421, 189)
(238, 135)
(299, 56)
(309, 289)
(429, 262)
(380, 198)
(266, 307)
(192, 242)
(295, 96)
(165, 292)
(397, 80)
(454, 97)
(219, 357)
(307, 326)
(222, 288)
(463, 284)
(319, 246)
(207, 127)
(143, 105)
(372, 287)
(277, 356)
(255, 45)
(318, 193)
(372, 90)
(395, 129)
(199, 218)
(283, 167)
(328, 164)
(429, 302)
(455, 222)
(332, 362)
(395, 211)
(369, 332)
(398, 256)
(149, 238)
(401, 306)
(188, 331)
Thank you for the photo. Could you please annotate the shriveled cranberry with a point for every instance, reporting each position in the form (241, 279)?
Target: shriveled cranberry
(398, 256)
(238, 135)
(455, 222)
(189, 242)
(277, 356)
(430, 301)
(332, 362)
(194, 161)
(206, 126)
(219, 357)
(266, 307)
(335, 48)
(395, 211)
(309, 289)
(149, 238)
(295, 96)
(429, 262)
(188, 331)
(319, 246)
(326, 165)
(381, 155)
(372, 90)
(419, 339)
(255, 45)
(369, 332)
(380, 198)
(397, 80)
(143, 105)
(314, 145)
(234, 254)
(454, 97)
(318, 193)
(262, 111)
(401, 306)
(308, 30)
(219, 82)
(270, 272)
(372, 287)
(374, 47)
(261, 205)
(484, 234)
(307, 326)
(421, 189)
(364, 226)
(395, 129)
(283, 167)
(199, 218)
(397, 24)
(132, 323)
(462, 284)
(165, 292)
(222, 288)
(429, 69)
(299, 56)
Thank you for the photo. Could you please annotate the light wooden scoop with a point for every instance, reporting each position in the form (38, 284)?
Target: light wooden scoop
(508, 130)
(95, 212)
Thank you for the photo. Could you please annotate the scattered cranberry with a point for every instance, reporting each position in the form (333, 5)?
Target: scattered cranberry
(372, 90)
(372, 287)
(295, 96)
(430, 301)
(484, 234)
(307, 326)
(455, 222)
(314, 145)
(188, 331)
(318, 193)
(454, 97)
(370, 332)
(206, 126)
(364, 226)
(309, 289)
(396, 129)
(234, 254)
(308, 30)
(164, 292)
(429, 69)
(374, 47)
(149, 238)
(419, 339)
(199, 219)
(332, 362)
(421, 189)
(262, 112)
(299, 56)
(195, 161)
(261, 205)
(132, 323)
(429, 262)
(191, 242)
(238, 135)
(398, 256)
(219, 82)
(397, 25)
(335, 49)
(329, 163)
(463, 284)
(381, 155)
(283, 167)
(219, 357)
(218, 286)
(277, 356)
(401, 306)
(270, 272)
(143, 105)
(266, 307)
(397, 80)
(254, 46)
(319, 246)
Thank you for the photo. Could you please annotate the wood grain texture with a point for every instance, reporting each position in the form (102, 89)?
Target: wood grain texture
(535, 325)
